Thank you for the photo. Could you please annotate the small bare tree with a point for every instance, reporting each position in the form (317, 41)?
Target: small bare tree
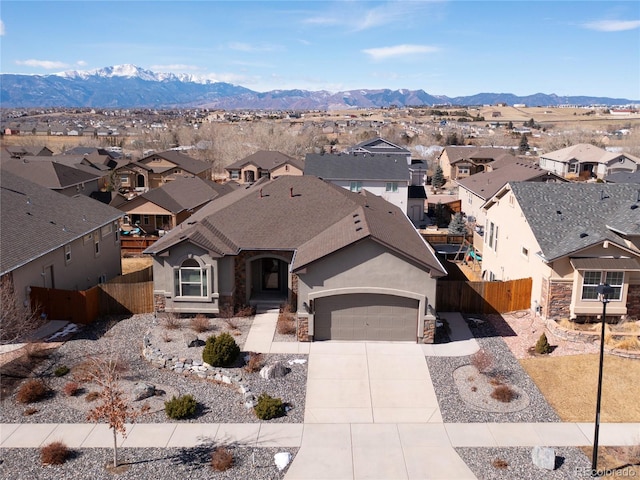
(17, 320)
(113, 408)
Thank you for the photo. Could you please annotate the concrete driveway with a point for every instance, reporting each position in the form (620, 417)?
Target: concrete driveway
(369, 383)
(371, 413)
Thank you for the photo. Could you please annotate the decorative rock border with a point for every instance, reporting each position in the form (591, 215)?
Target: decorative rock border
(198, 368)
(586, 337)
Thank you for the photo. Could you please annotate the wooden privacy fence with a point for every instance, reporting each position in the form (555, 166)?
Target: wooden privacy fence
(136, 245)
(483, 297)
(122, 295)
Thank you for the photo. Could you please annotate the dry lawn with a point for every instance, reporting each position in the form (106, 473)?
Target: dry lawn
(617, 462)
(570, 383)
(134, 264)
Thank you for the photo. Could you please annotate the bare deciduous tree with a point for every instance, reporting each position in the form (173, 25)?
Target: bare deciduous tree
(18, 319)
(113, 408)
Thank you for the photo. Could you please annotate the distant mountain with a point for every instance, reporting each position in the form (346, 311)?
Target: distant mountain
(129, 86)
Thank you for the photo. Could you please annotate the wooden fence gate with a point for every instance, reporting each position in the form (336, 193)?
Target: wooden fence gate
(484, 297)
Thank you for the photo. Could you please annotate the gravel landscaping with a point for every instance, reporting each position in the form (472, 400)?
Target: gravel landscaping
(515, 462)
(456, 402)
(217, 403)
(144, 463)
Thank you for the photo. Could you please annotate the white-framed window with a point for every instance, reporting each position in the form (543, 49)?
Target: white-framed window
(106, 230)
(87, 238)
(355, 186)
(191, 280)
(512, 200)
(67, 254)
(469, 198)
(145, 219)
(235, 174)
(124, 180)
(573, 167)
(392, 187)
(464, 170)
(96, 244)
(491, 236)
(592, 278)
(524, 251)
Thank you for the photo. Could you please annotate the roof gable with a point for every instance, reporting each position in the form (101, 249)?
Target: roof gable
(265, 160)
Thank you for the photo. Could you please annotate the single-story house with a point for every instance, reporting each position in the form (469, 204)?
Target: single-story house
(569, 238)
(587, 161)
(326, 251)
(54, 241)
(263, 164)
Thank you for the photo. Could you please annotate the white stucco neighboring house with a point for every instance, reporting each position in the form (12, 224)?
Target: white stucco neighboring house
(587, 161)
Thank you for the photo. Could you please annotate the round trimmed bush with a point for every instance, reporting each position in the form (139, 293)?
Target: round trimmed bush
(269, 407)
(220, 351)
(180, 407)
(61, 371)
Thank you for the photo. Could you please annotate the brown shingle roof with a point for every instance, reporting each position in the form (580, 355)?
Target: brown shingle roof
(305, 214)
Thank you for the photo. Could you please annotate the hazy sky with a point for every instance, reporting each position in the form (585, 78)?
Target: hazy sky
(443, 47)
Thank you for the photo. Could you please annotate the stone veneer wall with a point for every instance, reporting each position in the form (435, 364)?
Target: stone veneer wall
(303, 329)
(159, 302)
(429, 330)
(633, 301)
(559, 300)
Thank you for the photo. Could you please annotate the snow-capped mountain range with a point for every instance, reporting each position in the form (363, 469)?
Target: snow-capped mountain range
(129, 86)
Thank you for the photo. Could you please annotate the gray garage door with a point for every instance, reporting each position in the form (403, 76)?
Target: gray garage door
(366, 317)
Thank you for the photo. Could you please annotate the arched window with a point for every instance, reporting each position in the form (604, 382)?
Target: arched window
(191, 279)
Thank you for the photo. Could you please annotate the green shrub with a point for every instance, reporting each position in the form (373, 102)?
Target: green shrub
(180, 407)
(268, 407)
(220, 351)
(542, 345)
(61, 371)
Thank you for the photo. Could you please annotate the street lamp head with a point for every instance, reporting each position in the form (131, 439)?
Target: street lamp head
(604, 292)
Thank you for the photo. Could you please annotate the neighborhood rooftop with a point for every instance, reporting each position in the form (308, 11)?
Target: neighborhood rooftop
(357, 166)
(569, 217)
(36, 220)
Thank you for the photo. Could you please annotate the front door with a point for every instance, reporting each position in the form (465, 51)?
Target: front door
(270, 274)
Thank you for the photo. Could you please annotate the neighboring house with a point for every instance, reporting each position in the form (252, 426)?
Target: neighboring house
(474, 191)
(165, 207)
(463, 161)
(47, 172)
(568, 238)
(381, 174)
(350, 264)
(588, 161)
(380, 145)
(54, 241)
(157, 169)
(263, 164)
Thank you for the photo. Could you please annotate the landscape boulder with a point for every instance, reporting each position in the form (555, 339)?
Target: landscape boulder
(192, 340)
(275, 370)
(142, 390)
(544, 457)
(282, 459)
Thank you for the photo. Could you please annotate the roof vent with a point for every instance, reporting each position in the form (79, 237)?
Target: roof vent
(634, 206)
(358, 229)
(583, 235)
(558, 212)
(357, 221)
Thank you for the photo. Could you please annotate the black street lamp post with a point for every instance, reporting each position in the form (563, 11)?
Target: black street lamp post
(604, 291)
